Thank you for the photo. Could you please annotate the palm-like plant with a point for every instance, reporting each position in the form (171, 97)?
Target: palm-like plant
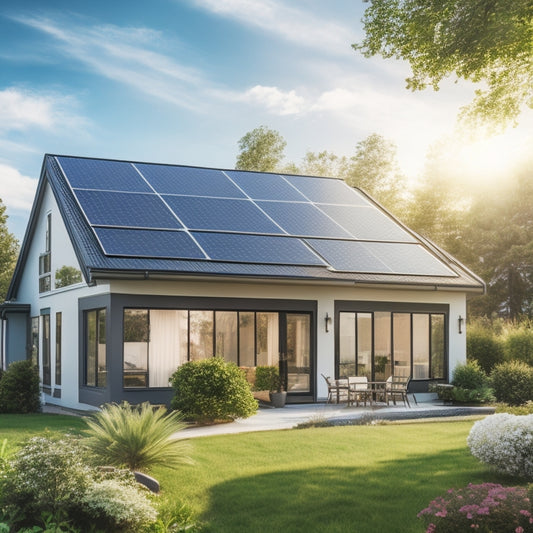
(137, 437)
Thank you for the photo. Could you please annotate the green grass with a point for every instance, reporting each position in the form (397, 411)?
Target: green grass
(362, 479)
(339, 479)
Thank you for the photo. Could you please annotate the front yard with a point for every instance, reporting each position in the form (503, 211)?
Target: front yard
(333, 479)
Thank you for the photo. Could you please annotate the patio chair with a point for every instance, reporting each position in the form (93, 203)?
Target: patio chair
(397, 390)
(337, 389)
(359, 390)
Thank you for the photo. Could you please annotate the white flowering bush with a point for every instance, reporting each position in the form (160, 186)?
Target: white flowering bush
(118, 504)
(505, 442)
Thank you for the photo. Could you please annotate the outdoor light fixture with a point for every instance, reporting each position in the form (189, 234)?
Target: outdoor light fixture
(460, 321)
(327, 319)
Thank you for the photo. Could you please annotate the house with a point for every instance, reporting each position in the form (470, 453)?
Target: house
(182, 263)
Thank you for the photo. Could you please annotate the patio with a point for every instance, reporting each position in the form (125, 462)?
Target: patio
(268, 419)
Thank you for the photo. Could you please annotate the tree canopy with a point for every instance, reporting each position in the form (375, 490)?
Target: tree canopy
(477, 40)
(8, 253)
(261, 150)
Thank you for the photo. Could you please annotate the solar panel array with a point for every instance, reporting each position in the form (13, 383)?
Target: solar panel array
(176, 212)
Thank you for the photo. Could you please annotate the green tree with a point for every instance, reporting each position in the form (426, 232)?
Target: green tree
(261, 150)
(8, 253)
(67, 275)
(477, 40)
(374, 169)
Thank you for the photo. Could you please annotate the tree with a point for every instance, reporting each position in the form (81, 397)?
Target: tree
(8, 253)
(67, 275)
(374, 169)
(261, 150)
(478, 40)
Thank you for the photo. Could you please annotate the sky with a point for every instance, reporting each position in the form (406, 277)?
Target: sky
(181, 81)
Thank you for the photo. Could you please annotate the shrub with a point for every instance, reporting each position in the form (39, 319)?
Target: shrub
(487, 507)
(481, 395)
(50, 482)
(484, 346)
(19, 389)
(46, 474)
(512, 382)
(118, 505)
(137, 437)
(504, 441)
(211, 389)
(469, 376)
(524, 409)
(267, 378)
(518, 345)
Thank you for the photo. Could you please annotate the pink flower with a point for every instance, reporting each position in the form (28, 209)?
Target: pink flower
(442, 513)
(519, 529)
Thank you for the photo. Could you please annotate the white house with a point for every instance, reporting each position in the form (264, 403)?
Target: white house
(182, 263)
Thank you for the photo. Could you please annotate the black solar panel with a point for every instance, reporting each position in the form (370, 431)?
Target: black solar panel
(102, 175)
(219, 214)
(367, 223)
(142, 210)
(189, 181)
(148, 243)
(327, 190)
(256, 249)
(104, 208)
(265, 186)
(303, 219)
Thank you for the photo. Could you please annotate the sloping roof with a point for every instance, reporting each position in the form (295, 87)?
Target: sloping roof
(132, 218)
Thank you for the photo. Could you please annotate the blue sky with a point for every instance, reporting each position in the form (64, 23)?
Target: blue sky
(181, 81)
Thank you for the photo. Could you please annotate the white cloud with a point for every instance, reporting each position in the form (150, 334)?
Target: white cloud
(17, 190)
(22, 110)
(290, 23)
(275, 100)
(126, 55)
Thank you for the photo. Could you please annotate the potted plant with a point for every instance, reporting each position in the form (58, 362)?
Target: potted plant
(268, 378)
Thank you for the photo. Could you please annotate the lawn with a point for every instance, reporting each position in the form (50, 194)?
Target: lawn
(334, 479)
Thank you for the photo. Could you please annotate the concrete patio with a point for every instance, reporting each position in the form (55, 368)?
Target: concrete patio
(290, 416)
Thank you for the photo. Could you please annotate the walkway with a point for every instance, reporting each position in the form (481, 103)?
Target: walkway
(291, 415)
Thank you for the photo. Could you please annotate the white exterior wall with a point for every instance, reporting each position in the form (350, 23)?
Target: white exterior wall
(64, 300)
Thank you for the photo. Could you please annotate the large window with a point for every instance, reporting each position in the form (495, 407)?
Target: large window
(158, 341)
(381, 343)
(95, 340)
(45, 266)
(47, 370)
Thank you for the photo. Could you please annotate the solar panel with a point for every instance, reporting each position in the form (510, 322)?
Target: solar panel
(189, 181)
(104, 208)
(327, 190)
(379, 258)
(265, 186)
(148, 243)
(102, 175)
(256, 249)
(219, 214)
(303, 219)
(367, 223)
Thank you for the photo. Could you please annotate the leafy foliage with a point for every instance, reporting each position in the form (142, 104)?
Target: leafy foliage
(19, 388)
(137, 437)
(267, 378)
(9, 249)
(469, 376)
(484, 347)
(212, 389)
(512, 382)
(67, 275)
(476, 41)
(519, 344)
(261, 150)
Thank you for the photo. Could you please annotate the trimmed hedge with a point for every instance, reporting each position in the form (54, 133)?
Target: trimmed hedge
(512, 382)
(212, 390)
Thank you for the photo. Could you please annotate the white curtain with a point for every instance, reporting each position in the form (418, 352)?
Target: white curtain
(168, 344)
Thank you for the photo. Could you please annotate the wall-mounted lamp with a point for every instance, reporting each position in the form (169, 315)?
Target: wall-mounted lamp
(460, 321)
(327, 320)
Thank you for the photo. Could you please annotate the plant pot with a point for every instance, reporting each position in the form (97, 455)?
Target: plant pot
(278, 399)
